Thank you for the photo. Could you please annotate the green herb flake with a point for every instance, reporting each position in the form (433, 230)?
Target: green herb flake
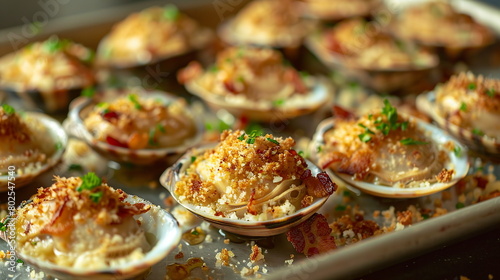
(75, 167)
(459, 205)
(272, 141)
(134, 99)
(171, 13)
(250, 140)
(3, 226)
(242, 137)
(303, 74)
(346, 193)
(160, 128)
(278, 102)
(319, 149)
(89, 182)
(53, 44)
(425, 216)
(96, 196)
(9, 110)
(410, 141)
(88, 92)
(463, 107)
(477, 132)
(301, 153)
(213, 69)
(151, 137)
(364, 137)
(195, 232)
(472, 86)
(457, 151)
(59, 146)
(102, 105)
(193, 159)
(19, 261)
(490, 92)
(340, 208)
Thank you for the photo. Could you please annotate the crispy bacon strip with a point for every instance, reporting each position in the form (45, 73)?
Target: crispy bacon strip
(312, 237)
(319, 186)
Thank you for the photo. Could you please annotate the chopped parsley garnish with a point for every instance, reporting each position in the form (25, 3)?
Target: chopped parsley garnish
(459, 205)
(19, 261)
(346, 193)
(384, 126)
(364, 137)
(240, 79)
(88, 92)
(102, 105)
(170, 12)
(272, 141)
(472, 86)
(151, 137)
(477, 132)
(135, 101)
(219, 126)
(195, 232)
(59, 146)
(53, 44)
(457, 151)
(303, 75)
(319, 149)
(89, 182)
(278, 102)
(213, 68)
(75, 167)
(3, 226)
(340, 207)
(193, 158)
(463, 107)
(160, 128)
(490, 92)
(410, 141)
(301, 153)
(96, 196)
(9, 110)
(250, 138)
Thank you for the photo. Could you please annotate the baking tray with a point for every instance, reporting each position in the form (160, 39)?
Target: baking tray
(281, 260)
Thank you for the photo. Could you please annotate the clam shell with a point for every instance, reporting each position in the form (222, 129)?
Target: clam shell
(459, 163)
(75, 127)
(201, 39)
(60, 138)
(379, 79)
(246, 228)
(485, 145)
(320, 94)
(162, 232)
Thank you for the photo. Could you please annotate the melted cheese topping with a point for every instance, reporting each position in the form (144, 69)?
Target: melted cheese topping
(471, 102)
(365, 45)
(137, 122)
(455, 29)
(269, 23)
(66, 227)
(24, 143)
(151, 33)
(48, 67)
(252, 73)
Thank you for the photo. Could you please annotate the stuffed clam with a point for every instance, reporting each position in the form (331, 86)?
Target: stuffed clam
(249, 184)
(387, 154)
(47, 75)
(30, 144)
(271, 23)
(440, 24)
(363, 50)
(136, 126)
(468, 106)
(340, 9)
(256, 83)
(53, 228)
(151, 35)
